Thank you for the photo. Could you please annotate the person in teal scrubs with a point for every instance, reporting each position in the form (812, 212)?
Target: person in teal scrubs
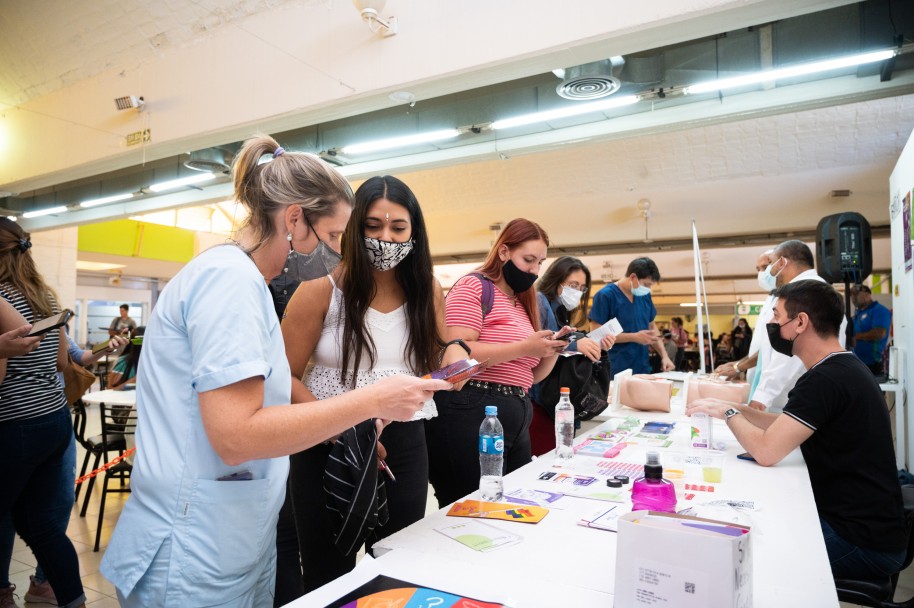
(215, 424)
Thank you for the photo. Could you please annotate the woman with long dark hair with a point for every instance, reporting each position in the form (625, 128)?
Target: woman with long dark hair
(128, 363)
(506, 332)
(380, 313)
(36, 431)
(563, 294)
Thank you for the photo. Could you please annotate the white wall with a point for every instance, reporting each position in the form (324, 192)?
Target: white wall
(901, 184)
(54, 252)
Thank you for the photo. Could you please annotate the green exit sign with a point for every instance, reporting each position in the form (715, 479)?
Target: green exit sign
(749, 309)
(139, 137)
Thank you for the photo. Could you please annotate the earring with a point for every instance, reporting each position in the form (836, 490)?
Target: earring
(289, 237)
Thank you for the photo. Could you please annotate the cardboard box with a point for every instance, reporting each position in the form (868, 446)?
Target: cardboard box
(664, 559)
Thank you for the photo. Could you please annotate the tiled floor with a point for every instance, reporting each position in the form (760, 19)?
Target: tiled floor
(100, 593)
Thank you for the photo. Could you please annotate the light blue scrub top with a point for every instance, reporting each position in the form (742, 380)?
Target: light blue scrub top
(213, 325)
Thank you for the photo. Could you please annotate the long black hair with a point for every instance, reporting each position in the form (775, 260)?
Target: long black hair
(556, 274)
(414, 275)
(132, 353)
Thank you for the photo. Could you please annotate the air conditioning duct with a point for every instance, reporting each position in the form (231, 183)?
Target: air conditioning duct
(212, 160)
(591, 80)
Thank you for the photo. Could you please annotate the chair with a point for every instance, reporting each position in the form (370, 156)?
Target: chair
(118, 421)
(94, 446)
(880, 593)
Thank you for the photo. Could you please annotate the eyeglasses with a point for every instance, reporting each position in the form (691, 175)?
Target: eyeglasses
(576, 286)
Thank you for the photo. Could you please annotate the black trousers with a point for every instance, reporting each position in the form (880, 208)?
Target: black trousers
(453, 438)
(406, 457)
(288, 562)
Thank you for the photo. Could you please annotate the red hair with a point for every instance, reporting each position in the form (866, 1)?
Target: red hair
(516, 233)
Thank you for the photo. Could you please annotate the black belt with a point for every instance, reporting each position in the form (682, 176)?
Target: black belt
(501, 389)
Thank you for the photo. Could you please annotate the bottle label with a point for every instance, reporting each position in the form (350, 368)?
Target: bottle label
(489, 444)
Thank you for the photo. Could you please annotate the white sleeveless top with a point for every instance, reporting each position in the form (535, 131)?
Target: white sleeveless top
(389, 332)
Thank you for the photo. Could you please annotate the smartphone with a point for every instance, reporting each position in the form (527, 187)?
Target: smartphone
(100, 347)
(45, 325)
(745, 456)
(563, 334)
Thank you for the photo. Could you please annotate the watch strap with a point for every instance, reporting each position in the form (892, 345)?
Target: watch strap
(462, 344)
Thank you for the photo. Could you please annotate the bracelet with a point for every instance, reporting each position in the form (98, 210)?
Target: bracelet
(462, 344)
(736, 366)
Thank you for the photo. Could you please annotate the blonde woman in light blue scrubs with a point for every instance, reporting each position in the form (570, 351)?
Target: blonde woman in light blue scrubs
(210, 469)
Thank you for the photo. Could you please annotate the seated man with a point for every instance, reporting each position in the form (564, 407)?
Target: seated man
(836, 415)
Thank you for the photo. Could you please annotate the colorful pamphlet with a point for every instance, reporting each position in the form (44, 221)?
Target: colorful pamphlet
(457, 371)
(604, 518)
(567, 478)
(600, 449)
(386, 591)
(479, 536)
(527, 514)
(538, 498)
(658, 428)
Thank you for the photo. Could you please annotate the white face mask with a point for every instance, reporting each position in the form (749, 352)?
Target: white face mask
(766, 280)
(570, 297)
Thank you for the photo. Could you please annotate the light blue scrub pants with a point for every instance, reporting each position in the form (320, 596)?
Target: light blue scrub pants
(152, 588)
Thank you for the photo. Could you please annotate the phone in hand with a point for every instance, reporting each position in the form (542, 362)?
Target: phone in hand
(563, 334)
(100, 347)
(53, 322)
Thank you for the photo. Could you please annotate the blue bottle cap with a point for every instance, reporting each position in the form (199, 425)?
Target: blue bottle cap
(491, 410)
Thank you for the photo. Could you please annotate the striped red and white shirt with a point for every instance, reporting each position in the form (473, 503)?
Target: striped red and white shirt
(507, 322)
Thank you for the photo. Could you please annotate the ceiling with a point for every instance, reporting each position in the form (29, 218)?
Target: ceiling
(752, 167)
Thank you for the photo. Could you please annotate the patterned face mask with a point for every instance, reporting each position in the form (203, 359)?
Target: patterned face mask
(384, 255)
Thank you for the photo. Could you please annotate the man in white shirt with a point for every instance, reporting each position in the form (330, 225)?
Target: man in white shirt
(747, 364)
(776, 374)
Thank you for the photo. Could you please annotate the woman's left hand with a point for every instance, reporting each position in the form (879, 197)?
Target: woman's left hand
(452, 354)
(607, 342)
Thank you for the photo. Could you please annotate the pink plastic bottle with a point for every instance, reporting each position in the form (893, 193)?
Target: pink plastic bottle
(652, 492)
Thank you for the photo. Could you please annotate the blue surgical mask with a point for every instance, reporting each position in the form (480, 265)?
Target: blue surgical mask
(641, 290)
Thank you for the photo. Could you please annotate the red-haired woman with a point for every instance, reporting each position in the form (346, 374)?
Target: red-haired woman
(508, 336)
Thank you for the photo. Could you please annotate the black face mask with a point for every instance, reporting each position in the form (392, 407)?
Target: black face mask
(779, 343)
(517, 279)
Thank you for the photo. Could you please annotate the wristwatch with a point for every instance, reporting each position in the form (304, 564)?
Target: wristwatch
(730, 413)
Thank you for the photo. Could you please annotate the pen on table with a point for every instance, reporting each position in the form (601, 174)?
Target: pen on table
(387, 470)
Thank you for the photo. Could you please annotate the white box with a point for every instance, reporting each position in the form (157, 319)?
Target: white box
(664, 559)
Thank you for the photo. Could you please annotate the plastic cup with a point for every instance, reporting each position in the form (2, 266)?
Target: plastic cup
(712, 466)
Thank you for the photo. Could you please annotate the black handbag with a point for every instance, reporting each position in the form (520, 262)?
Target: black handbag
(587, 381)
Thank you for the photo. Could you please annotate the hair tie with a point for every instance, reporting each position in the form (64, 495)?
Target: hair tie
(24, 244)
(278, 152)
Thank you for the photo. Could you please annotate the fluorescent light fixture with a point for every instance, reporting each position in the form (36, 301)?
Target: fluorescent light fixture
(400, 142)
(97, 266)
(95, 202)
(802, 69)
(184, 181)
(688, 304)
(40, 212)
(565, 112)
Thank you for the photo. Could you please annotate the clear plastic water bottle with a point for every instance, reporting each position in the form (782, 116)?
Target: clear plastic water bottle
(564, 428)
(651, 492)
(491, 456)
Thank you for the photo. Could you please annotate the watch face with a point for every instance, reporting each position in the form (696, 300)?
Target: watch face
(731, 413)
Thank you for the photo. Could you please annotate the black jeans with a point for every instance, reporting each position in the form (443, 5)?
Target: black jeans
(406, 497)
(453, 438)
(288, 561)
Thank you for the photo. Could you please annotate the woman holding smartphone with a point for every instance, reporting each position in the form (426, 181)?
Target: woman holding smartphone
(380, 313)
(36, 431)
(506, 333)
(199, 527)
(563, 294)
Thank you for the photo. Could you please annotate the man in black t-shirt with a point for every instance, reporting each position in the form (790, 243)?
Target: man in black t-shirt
(836, 415)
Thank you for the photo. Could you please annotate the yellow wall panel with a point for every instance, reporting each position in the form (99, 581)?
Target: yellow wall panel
(138, 239)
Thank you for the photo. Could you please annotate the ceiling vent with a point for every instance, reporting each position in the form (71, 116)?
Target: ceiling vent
(211, 160)
(591, 80)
